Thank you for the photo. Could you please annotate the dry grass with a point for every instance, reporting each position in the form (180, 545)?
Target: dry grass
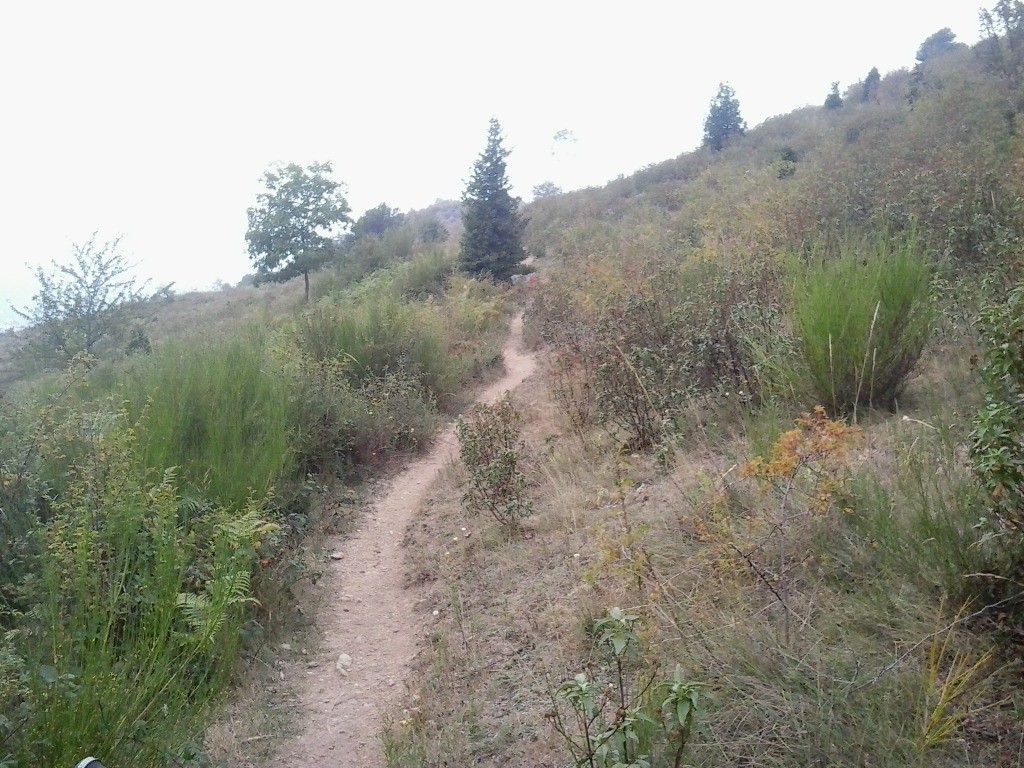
(696, 551)
(218, 312)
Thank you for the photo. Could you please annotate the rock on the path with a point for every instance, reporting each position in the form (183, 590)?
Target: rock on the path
(337, 556)
(343, 664)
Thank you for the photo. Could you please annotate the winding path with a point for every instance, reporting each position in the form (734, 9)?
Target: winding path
(371, 617)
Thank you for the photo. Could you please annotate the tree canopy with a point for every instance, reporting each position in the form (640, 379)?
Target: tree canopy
(376, 221)
(937, 44)
(290, 225)
(869, 89)
(833, 100)
(81, 303)
(723, 120)
(492, 239)
(546, 189)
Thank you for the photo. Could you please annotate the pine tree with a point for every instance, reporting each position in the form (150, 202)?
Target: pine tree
(870, 87)
(723, 119)
(492, 240)
(834, 100)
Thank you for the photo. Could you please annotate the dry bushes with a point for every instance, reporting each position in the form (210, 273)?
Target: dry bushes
(637, 352)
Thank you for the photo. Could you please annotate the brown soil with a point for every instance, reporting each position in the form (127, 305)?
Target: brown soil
(372, 616)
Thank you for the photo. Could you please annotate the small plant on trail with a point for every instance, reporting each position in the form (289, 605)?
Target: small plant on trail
(627, 721)
(491, 449)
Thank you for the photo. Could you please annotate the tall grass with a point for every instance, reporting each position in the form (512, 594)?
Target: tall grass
(135, 616)
(378, 333)
(863, 316)
(217, 410)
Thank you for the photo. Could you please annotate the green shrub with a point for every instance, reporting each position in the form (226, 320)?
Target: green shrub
(424, 276)
(377, 333)
(218, 411)
(340, 422)
(627, 720)
(491, 450)
(997, 437)
(136, 614)
(862, 317)
(997, 440)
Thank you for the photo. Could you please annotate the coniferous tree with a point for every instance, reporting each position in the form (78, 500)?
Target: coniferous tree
(723, 119)
(870, 87)
(834, 100)
(492, 242)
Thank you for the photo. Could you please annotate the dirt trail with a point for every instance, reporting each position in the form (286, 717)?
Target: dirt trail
(371, 616)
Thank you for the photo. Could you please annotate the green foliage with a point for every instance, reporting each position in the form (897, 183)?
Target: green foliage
(626, 722)
(723, 120)
(869, 88)
(290, 224)
(997, 437)
(1003, 46)
(491, 449)
(216, 410)
(863, 317)
(431, 231)
(83, 306)
(108, 660)
(546, 189)
(424, 276)
(371, 253)
(376, 221)
(834, 100)
(937, 44)
(377, 332)
(343, 419)
(492, 238)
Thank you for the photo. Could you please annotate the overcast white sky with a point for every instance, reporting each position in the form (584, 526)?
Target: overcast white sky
(155, 121)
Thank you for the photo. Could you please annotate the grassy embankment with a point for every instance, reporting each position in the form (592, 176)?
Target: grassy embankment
(842, 585)
(153, 506)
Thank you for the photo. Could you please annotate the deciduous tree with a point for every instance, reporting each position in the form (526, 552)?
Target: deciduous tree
(83, 303)
(940, 43)
(376, 221)
(291, 223)
(492, 239)
(546, 189)
(1003, 45)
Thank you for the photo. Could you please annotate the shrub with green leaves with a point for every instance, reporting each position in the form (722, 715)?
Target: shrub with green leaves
(627, 719)
(997, 438)
(492, 451)
(135, 618)
(863, 317)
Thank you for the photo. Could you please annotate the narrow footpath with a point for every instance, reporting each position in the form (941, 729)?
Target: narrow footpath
(369, 626)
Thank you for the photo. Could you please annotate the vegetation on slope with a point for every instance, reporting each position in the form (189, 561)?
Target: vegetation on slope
(152, 504)
(761, 458)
